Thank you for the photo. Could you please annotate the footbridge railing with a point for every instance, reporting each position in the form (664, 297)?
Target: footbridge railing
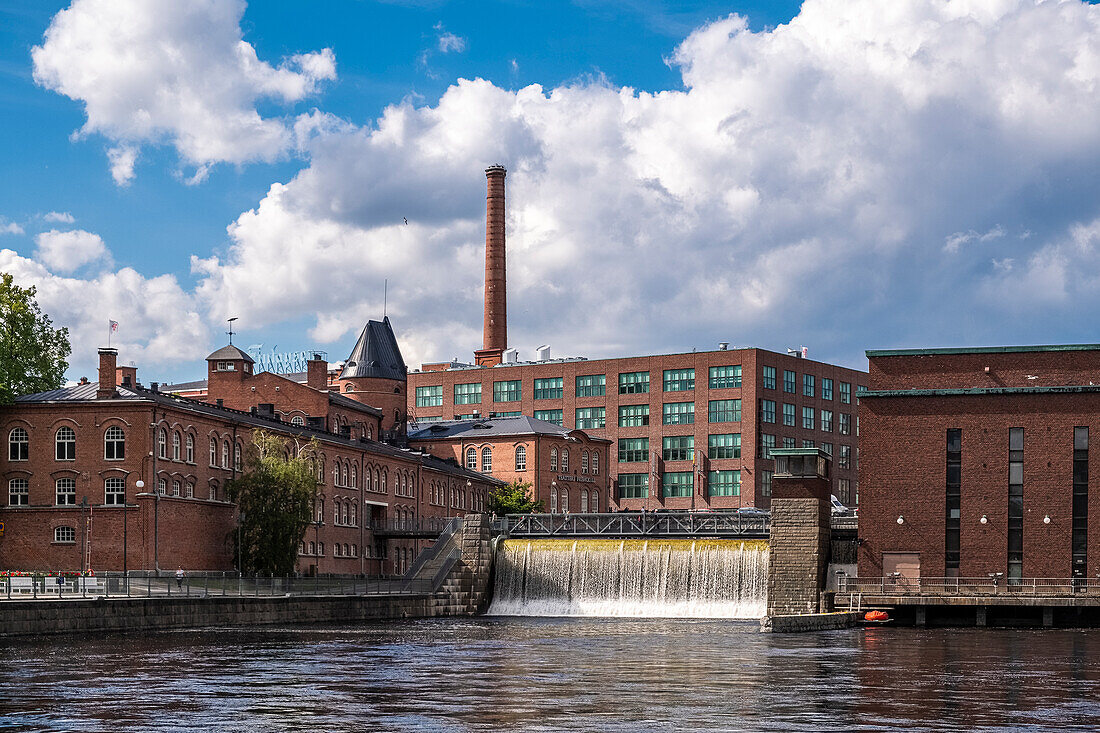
(636, 524)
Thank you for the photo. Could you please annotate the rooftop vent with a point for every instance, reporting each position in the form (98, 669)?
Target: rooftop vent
(723, 345)
(511, 356)
(543, 352)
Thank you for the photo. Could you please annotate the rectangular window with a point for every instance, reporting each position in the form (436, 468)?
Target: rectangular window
(724, 411)
(590, 418)
(807, 385)
(827, 447)
(767, 411)
(766, 483)
(592, 385)
(512, 413)
(788, 442)
(679, 380)
(467, 416)
(790, 381)
(549, 389)
(634, 383)
(676, 483)
(788, 414)
(767, 442)
(678, 413)
(1080, 515)
(808, 418)
(724, 483)
(807, 443)
(826, 421)
(845, 424)
(678, 447)
(430, 396)
(768, 378)
(1015, 503)
(844, 460)
(633, 450)
(844, 491)
(633, 416)
(952, 553)
(725, 377)
(826, 388)
(468, 394)
(554, 416)
(509, 391)
(66, 491)
(727, 445)
(633, 485)
(845, 393)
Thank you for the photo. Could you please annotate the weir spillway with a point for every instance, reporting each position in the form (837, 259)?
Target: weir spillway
(702, 578)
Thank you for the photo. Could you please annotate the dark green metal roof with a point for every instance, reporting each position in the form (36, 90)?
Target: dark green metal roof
(980, 350)
(798, 452)
(975, 391)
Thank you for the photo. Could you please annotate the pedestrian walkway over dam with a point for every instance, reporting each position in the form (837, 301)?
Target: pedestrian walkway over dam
(732, 525)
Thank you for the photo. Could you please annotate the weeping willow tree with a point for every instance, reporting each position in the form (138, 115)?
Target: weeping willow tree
(275, 497)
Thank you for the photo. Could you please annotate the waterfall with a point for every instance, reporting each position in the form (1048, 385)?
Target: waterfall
(640, 578)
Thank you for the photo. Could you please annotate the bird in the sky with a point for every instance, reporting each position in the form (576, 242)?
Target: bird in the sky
(406, 220)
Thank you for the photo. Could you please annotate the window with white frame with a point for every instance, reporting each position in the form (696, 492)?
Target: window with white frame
(19, 493)
(64, 535)
(65, 444)
(176, 446)
(213, 452)
(564, 460)
(225, 454)
(584, 461)
(595, 463)
(190, 448)
(162, 443)
(486, 459)
(521, 458)
(553, 459)
(19, 445)
(471, 458)
(114, 444)
(114, 491)
(65, 492)
(175, 488)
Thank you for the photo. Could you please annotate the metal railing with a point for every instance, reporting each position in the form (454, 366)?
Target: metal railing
(432, 525)
(204, 585)
(636, 524)
(452, 525)
(896, 585)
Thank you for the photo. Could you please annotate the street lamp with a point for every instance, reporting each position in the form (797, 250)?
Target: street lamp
(125, 536)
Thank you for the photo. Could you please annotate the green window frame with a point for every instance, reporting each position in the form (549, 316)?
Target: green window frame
(767, 442)
(808, 385)
(808, 418)
(634, 383)
(845, 424)
(554, 416)
(725, 377)
(677, 483)
(845, 393)
(468, 394)
(767, 377)
(725, 445)
(633, 485)
(767, 410)
(592, 385)
(790, 381)
(678, 447)
(807, 443)
(826, 421)
(549, 389)
(429, 396)
(788, 442)
(766, 482)
(724, 483)
(633, 450)
(514, 413)
(591, 418)
(679, 380)
(826, 388)
(724, 411)
(678, 413)
(467, 416)
(508, 391)
(788, 414)
(633, 416)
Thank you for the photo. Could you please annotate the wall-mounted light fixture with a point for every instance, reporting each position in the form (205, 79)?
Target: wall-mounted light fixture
(901, 519)
(1046, 519)
(984, 519)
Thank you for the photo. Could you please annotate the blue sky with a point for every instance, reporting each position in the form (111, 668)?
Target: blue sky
(845, 175)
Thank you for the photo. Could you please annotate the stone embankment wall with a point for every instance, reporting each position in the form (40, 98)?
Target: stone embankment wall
(809, 622)
(799, 555)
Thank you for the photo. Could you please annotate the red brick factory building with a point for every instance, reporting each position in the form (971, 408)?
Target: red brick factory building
(978, 461)
(690, 430)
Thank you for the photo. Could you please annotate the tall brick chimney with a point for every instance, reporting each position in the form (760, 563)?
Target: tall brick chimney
(108, 359)
(496, 297)
(317, 373)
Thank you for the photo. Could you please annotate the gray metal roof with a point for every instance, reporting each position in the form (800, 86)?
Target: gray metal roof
(491, 427)
(78, 393)
(229, 352)
(338, 399)
(376, 354)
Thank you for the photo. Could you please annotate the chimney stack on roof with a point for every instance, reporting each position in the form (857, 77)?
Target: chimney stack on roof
(108, 359)
(496, 298)
(317, 373)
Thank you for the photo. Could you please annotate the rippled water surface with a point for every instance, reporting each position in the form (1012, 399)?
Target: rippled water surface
(541, 674)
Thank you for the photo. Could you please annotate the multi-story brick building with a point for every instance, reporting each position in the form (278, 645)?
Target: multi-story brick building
(567, 469)
(976, 461)
(114, 476)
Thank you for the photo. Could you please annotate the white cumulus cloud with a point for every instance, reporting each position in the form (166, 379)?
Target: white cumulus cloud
(150, 72)
(61, 217)
(68, 251)
(9, 227)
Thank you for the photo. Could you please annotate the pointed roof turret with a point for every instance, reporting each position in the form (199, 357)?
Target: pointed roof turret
(230, 353)
(376, 354)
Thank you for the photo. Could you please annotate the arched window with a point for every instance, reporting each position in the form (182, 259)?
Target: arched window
(321, 509)
(336, 474)
(354, 476)
(370, 432)
(213, 452)
(335, 512)
(213, 491)
(564, 501)
(553, 500)
(353, 520)
(336, 550)
(345, 474)
(347, 387)
(521, 458)
(584, 461)
(553, 459)
(594, 501)
(19, 445)
(354, 550)
(162, 443)
(344, 513)
(397, 484)
(321, 548)
(225, 454)
(237, 456)
(595, 463)
(471, 458)
(190, 489)
(114, 444)
(486, 459)
(162, 487)
(65, 443)
(347, 549)
(114, 491)
(64, 535)
(297, 420)
(65, 491)
(190, 448)
(564, 461)
(175, 488)
(312, 548)
(584, 501)
(175, 446)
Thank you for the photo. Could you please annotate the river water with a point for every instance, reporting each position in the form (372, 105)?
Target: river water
(544, 674)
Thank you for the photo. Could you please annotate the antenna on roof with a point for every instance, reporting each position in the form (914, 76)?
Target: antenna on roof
(385, 295)
(230, 331)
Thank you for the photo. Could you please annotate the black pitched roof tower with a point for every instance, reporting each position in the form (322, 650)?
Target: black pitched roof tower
(375, 374)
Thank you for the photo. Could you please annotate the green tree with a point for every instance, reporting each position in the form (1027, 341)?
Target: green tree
(33, 355)
(513, 498)
(275, 499)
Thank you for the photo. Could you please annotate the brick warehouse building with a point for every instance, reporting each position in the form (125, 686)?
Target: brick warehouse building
(700, 425)
(977, 461)
(75, 456)
(567, 469)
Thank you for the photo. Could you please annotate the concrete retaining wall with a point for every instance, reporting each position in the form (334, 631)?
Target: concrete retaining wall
(809, 622)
